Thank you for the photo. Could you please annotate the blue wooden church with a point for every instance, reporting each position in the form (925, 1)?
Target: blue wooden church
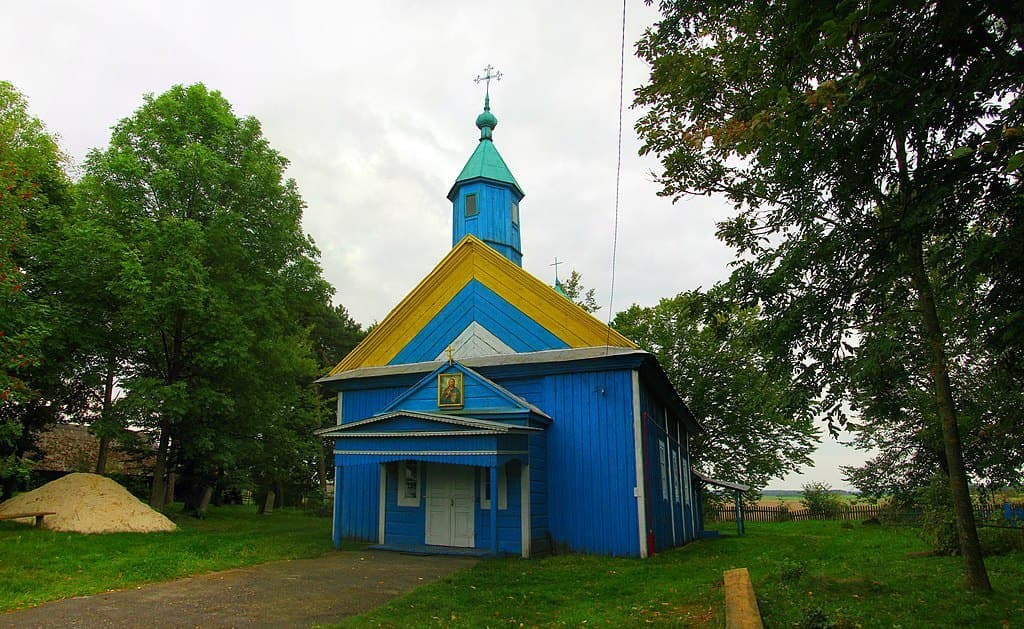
(487, 411)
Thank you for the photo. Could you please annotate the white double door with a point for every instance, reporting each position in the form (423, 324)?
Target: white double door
(450, 494)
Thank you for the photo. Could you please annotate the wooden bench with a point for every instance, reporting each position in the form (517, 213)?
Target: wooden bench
(38, 515)
(741, 610)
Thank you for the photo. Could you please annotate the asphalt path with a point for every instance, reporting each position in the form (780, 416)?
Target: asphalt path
(298, 593)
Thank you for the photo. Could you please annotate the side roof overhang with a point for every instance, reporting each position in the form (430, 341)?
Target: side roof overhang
(707, 480)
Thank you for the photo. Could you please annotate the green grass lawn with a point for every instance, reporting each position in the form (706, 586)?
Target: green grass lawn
(805, 574)
(38, 565)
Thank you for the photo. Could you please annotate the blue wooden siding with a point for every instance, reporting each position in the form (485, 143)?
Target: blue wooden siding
(529, 389)
(532, 390)
(360, 493)
(404, 525)
(582, 467)
(539, 543)
(476, 302)
(668, 511)
(591, 469)
(509, 519)
(363, 403)
(427, 445)
(359, 515)
(493, 221)
(478, 394)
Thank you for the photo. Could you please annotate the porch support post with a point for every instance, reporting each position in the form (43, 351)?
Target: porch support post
(739, 512)
(494, 509)
(337, 505)
(525, 526)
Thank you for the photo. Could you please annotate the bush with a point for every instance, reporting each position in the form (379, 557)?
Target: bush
(1001, 539)
(938, 519)
(784, 514)
(819, 500)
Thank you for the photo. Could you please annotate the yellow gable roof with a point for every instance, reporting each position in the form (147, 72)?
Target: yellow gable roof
(472, 259)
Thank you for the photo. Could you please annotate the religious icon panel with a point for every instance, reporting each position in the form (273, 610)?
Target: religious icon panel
(449, 390)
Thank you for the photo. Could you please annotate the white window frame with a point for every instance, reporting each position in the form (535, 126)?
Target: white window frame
(485, 480)
(677, 471)
(404, 500)
(663, 459)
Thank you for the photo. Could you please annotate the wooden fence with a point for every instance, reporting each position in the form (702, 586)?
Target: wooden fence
(1011, 513)
(784, 514)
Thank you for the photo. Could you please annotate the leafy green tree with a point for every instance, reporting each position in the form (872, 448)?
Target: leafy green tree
(897, 418)
(872, 152)
(213, 282)
(31, 172)
(33, 196)
(759, 421)
(334, 335)
(579, 294)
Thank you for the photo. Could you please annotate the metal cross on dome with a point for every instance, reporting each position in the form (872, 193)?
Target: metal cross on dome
(489, 73)
(556, 267)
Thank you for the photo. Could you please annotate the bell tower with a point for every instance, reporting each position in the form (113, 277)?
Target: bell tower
(485, 197)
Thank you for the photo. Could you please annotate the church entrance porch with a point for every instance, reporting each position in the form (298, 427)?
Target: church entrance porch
(450, 498)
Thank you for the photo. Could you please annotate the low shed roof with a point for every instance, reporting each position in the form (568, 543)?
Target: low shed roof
(707, 480)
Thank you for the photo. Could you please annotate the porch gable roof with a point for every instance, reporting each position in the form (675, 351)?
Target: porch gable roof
(403, 423)
(481, 396)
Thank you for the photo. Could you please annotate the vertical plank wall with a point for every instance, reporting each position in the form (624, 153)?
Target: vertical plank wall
(591, 465)
(360, 485)
(669, 514)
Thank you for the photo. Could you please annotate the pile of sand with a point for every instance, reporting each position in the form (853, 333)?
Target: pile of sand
(89, 503)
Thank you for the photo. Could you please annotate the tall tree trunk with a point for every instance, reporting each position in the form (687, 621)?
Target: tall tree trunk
(173, 360)
(204, 501)
(321, 465)
(108, 397)
(970, 548)
(156, 496)
(101, 456)
(172, 481)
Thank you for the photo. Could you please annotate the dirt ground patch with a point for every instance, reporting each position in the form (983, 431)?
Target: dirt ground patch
(88, 503)
(281, 594)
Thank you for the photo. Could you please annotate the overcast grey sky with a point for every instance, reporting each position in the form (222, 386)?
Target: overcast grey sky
(374, 105)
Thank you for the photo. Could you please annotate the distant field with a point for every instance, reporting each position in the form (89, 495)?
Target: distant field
(774, 498)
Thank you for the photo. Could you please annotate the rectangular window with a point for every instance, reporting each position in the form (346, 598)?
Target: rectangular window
(408, 484)
(485, 488)
(664, 470)
(515, 213)
(471, 209)
(677, 476)
(687, 480)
